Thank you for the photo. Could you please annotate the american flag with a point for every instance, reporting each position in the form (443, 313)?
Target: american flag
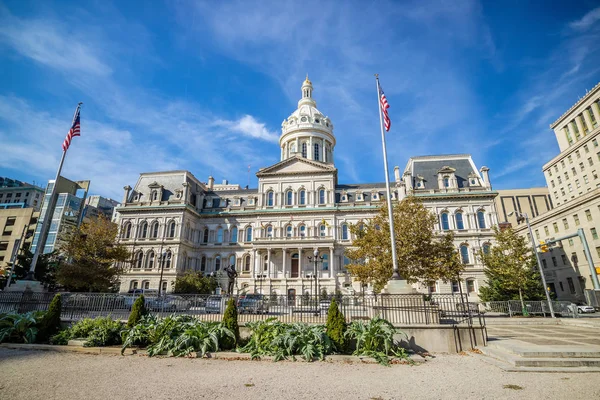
(384, 106)
(74, 131)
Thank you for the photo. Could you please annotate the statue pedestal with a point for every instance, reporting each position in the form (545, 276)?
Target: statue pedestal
(23, 285)
(401, 304)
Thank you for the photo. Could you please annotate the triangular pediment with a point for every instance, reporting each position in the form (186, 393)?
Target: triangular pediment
(296, 165)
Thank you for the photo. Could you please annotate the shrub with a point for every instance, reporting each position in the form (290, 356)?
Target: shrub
(101, 331)
(375, 338)
(50, 323)
(336, 326)
(20, 328)
(137, 311)
(61, 338)
(230, 321)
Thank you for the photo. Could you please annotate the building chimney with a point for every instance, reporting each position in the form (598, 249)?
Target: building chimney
(408, 181)
(485, 173)
(397, 174)
(225, 182)
(127, 190)
(211, 182)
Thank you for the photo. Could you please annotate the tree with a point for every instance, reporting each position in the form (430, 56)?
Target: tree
(94, 258)
(44, 271)
(138, 310)
(511, 269)
(50, 323)
(230, 321)
(422, 253)
(336, 326)
(195, 283)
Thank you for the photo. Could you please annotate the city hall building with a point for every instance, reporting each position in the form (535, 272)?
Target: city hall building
(172, 221)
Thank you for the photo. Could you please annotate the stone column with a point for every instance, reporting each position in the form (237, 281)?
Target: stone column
(331, 264)
(596, 112)
(580, 125)
(284, 251)
(310, 153)
(255, 262)
(269, 266)
(324, 153)
(300, 270)
(588, 119)
(573, 129)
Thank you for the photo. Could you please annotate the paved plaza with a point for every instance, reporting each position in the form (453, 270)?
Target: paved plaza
(547, 335)
(64, 376)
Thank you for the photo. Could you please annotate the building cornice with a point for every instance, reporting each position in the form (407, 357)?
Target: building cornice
(574, 106)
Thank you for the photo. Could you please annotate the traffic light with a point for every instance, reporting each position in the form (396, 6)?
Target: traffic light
(543, 246)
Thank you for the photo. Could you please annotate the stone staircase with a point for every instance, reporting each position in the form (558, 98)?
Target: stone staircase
(516, 356)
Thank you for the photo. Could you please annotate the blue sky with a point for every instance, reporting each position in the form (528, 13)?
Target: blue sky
(205, 86)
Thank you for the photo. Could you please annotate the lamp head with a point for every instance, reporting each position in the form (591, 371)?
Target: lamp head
(510, 214)
(316, 253)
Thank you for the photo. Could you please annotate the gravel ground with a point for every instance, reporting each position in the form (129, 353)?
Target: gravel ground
(64, 376)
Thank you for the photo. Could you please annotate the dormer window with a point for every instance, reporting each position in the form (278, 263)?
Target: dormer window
(154, 195)
(446, 182)
(236, 202)
(359, 196)
(375, 196)
(250, 201)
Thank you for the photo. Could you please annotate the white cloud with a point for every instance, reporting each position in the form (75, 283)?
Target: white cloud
(588, 20)
(249, 126)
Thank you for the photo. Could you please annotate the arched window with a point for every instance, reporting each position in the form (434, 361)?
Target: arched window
(167, 259)
(316, 152)
(144, 230)
(288, 231)
(205, 236)
(325, 261)
(220, 235)
(322, 230)
(289, 198)
(203, 264)
(269, 231)
(486, 248)
(302, 230)
(344, 232)
(234, 233)
(266, 263)
(247, 263)
(302, 197)
(481, 219)
(150, 260)
(217, 263)
(470, 285)
(133, 285)
(127, 230)
(232, 260)
(270, 199)
(444, 220)
(322, 196)
(154, 195)
(455, 287)
(459, 221)
(139, 257)
(249, 234)
(171, 229)
(154, 230)
(304, 150)
(292, 147)
(145, 284)
(464, 254)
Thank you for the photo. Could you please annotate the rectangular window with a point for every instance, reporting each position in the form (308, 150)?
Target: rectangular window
(594, 233)
(554, 262)
(598, 155)
(556, 195)
(577, 154)
(595, 142)
(562, 288)
(559, 180)
(576, 219)
(577, 183)
(556, 168)
(551, 182)
(566, 175)
(562, 191)
(17, 194)
(573, 171)
(594, 174)
(571, 242)
(562, 162)
(570, 187)
(586, 148)
(571, 285)
(570, 158)
(585, 179)
(3, 246)
(554, 225)
(590, 161)
(588, 215)
(564, 259)
(598, 251)
(546, 231)
(10, 221)
(544, 264)
(565, 223)
(537, 234)
(549, 172)
(581, 166)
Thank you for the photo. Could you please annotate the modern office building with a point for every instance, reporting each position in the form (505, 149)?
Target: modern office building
(17, 194)
(533, 202)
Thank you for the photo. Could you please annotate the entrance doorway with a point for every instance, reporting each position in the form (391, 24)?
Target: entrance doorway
(295, 269)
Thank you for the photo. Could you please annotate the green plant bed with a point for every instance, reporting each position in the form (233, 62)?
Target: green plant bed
(97, 332)
(20, 328)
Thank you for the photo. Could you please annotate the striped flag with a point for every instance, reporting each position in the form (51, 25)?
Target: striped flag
(74, 131)
(384, 106)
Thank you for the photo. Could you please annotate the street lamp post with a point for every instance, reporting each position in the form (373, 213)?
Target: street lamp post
(162, 268)
(316, 259)
(524, 217)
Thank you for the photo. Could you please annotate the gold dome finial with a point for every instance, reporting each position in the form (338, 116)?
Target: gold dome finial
(307, 80)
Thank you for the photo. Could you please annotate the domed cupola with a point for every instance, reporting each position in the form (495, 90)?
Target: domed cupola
(307, 132)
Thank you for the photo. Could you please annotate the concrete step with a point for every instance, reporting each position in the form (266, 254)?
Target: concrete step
(558, 352)
(512, 363)
(557, 362)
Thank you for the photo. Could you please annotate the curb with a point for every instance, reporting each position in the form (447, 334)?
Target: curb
(221, 355)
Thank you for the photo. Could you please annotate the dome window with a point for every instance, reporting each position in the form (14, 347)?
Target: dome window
(327, 124)
(317, 121)
(304, 119)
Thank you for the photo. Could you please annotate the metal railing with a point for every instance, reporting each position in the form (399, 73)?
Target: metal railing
(513, 308)
(411, 309)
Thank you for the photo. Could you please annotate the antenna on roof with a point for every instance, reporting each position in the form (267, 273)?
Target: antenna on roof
(248, 177)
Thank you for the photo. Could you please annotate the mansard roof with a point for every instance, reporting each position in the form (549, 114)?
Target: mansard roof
(430, 166)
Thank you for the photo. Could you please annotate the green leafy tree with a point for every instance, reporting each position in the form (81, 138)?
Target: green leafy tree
(95, 260)
(230, 321)
(195, 283)
(50, 323)
(511, 269)
(423, 254)
(44, 271)
(138, 310)
(336, 326)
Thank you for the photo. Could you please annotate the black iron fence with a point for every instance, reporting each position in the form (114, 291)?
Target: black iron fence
(409, 309)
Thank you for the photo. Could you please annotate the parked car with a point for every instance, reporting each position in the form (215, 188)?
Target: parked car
(324, 304)
(584, 309)
(214, 304)
(253, 304)
(132, 295)
(168, 303)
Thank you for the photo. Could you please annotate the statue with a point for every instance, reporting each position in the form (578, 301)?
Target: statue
(231, 274)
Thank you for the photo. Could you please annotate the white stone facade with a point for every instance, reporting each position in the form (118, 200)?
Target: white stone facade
(298, 207)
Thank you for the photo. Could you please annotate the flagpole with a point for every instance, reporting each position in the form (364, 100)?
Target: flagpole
(395, 274)
(41, 243)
